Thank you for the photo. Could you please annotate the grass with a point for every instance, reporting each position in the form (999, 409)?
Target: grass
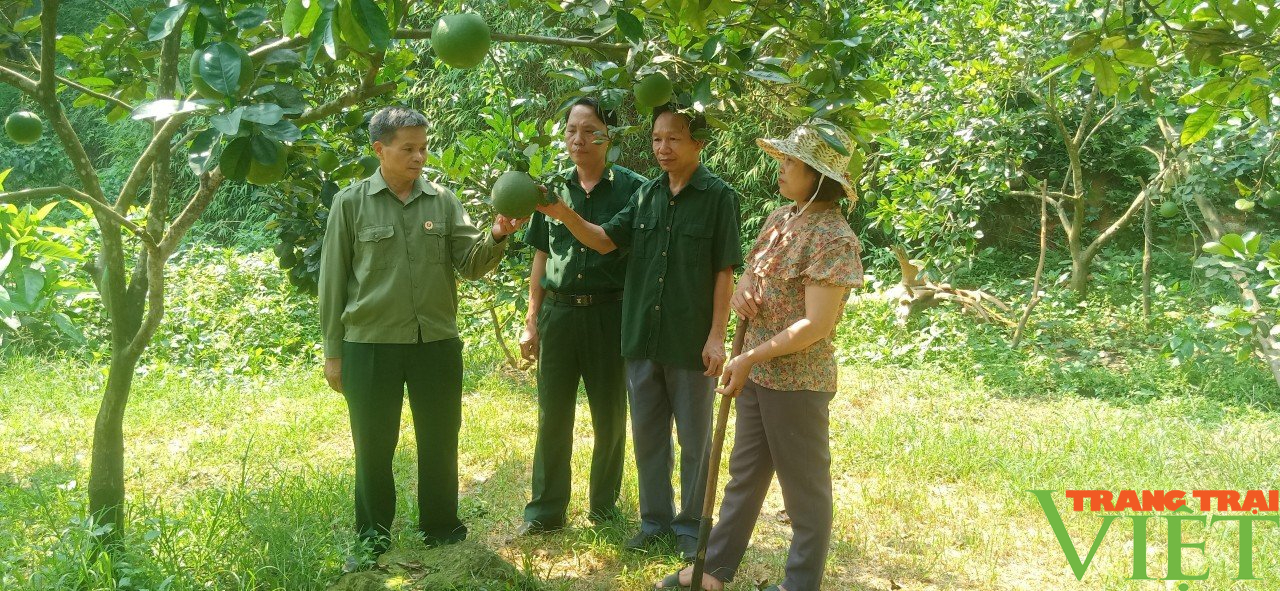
(242, 482)
(239, 474)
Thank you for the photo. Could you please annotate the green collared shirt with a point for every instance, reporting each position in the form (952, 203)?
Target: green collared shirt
(571, 267)
(678, 243)
(388, 269)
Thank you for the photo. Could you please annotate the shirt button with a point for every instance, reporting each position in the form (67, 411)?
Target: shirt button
(664, 253)
(657, 307)
(411, 259)
(579, 275)
(672, 202)
(659, 280)
(582, 249)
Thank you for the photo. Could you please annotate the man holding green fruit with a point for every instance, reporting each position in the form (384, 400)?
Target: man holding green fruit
(573, 328)
(393, 246)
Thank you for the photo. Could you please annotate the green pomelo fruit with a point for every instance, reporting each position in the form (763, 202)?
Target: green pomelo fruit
(328, 161)
(210, 54)
(265, 174)
(516, 194)
(460, 40)
(1168, 209)
(652, 91)
(23, 127)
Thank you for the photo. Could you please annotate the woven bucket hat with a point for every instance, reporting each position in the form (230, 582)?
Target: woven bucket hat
(804, 144)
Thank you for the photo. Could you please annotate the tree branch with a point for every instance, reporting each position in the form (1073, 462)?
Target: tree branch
(128, 193)
(73, 84)
(209, 183)
(25, 194)
(48, 49)
(345, 100)
(17, 80)
(1120, 222)
(609, 48)
(1113, 111)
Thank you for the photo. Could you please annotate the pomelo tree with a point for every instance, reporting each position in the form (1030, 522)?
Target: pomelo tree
(249, 91)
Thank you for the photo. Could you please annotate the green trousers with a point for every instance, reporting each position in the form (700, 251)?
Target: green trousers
(374, 378)
(578, 342)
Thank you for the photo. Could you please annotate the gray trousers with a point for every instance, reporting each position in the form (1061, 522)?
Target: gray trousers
(660, 394)
(787, 432)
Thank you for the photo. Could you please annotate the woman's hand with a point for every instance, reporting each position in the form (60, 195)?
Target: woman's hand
(735, 375)
(746, 299)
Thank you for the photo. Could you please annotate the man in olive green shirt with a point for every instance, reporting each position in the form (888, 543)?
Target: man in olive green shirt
(574, 329)
(682, 230)
(388, 305)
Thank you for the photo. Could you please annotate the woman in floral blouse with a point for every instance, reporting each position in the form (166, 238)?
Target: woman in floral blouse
(792, 293)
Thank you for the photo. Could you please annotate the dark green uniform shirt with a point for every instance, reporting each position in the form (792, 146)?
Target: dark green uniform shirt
(678, 244)
(387, 269)
(571, 267)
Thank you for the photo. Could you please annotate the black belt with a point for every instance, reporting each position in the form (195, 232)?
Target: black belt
(583, 300)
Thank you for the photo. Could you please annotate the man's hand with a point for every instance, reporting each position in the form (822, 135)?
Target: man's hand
(735, 375)
(504, 226)
(333, 373)
(529, 342)
(713, 355)
(558, 210)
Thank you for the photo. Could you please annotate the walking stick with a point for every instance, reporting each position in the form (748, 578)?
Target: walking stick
(713, 468)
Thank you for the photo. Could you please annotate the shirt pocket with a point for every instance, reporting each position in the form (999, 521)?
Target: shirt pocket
(694, 242)
(647, 239)
(435, 245)
(373, 246)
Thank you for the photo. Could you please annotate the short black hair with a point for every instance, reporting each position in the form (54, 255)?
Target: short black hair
(697, 123)
(388, 120)
(606, 116)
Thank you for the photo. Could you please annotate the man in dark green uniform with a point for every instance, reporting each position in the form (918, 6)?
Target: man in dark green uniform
(574, 329)
(682, 230)
(388, 308)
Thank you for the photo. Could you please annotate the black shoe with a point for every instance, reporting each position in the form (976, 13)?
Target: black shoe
(453, 537)
(645, 541)
(533, 528)
(687, 546)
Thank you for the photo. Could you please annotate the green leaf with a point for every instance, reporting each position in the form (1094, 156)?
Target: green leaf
(4, 261)
(67, 327)
(373, 21)
(166, 21)
(201, 155)
(229, 122)
(770, 76)
(164, 108)
(284, 130)
(1136, 57)
(1113, 42)
(630, 26)
(1057, 61)
(1234, 242)
(26, 25)
(249, 18)
(264, 113)
(294, 13)
(1199, 124)
(831, 140)
(221, 68)
(1218, 248)
(322, 35)
(1104, 76)
(265, 150)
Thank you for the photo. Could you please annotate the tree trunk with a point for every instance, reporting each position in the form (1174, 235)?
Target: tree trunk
(106, 470)
(1079, 272)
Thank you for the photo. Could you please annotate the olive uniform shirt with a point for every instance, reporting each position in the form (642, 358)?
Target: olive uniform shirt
(571, 267)
(678, 243)
(388, 269)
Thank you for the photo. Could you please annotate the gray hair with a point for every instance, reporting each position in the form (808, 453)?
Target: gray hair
(388, 120)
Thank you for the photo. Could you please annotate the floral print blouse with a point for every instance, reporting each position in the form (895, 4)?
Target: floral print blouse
(820, 249)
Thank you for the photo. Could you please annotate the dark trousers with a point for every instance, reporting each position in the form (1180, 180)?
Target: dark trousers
(578, 342)
(374, 377)
(786, 431)
(660, 395)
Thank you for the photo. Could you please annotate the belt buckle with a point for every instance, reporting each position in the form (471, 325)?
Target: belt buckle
(581, 300)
